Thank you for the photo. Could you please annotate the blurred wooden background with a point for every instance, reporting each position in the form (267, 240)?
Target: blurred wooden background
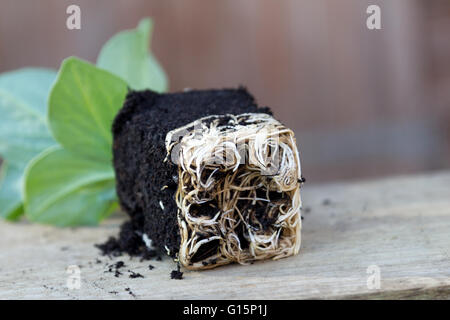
(363, 102)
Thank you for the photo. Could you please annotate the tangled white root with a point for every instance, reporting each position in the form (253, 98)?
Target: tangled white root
(238, 193)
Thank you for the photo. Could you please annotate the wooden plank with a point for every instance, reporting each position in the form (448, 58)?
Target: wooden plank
(401, 225)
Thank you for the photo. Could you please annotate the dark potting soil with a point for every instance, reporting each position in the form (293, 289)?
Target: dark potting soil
(128, 242)
(134, 275)
(176, 274)
(144, 180)
(115, 268)
(130, 292)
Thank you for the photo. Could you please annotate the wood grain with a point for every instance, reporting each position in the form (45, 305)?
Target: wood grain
(399, 224)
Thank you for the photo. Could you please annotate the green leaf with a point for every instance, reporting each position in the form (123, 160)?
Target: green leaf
(23, 130)
(127, 55)
(74, 184)
(82, 107)
(10, 192)
(64, 189)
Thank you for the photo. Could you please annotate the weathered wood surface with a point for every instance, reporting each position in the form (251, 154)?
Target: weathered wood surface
(401, 225)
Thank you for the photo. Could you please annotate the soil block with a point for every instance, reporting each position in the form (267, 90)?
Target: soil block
(206, 176)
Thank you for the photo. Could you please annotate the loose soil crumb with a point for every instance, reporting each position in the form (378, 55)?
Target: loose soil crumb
(130, 292)
(134, 275)
(176, 274)
(115, 268)
(110, 248)
(129, 242)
